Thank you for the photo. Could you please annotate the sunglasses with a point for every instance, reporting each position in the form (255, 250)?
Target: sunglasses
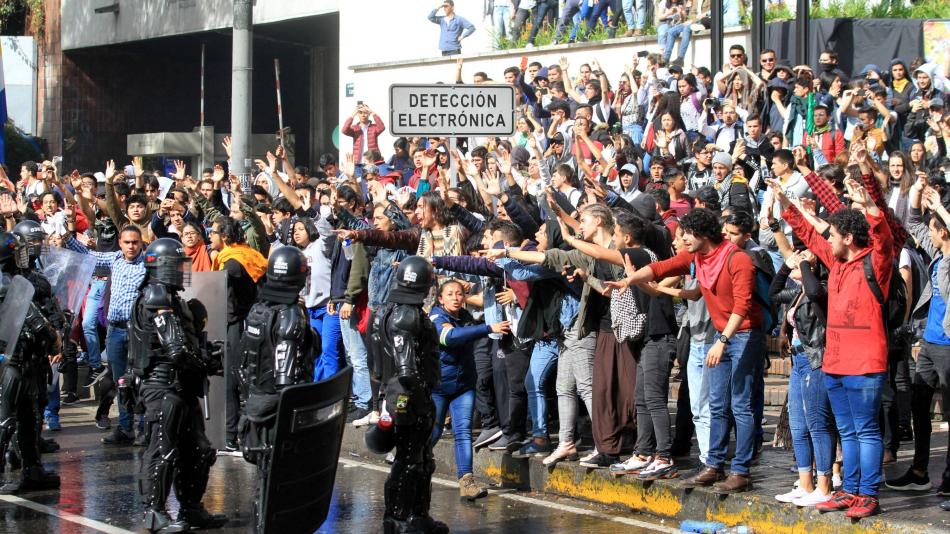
(768, 60)
(735, 55)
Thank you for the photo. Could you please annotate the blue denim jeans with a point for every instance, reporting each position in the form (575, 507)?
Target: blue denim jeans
(683, 31)
(699, 395)
(635, 22)
(90, 322)
(543, 360)
(331, 345)
(357, 357)
(856, 401)
(730, 13)
(52, 396)
(461, 404)
(809, 417)
(730, 386)
(501, 17)
(635, 131)
(540, 11)
(117, 352)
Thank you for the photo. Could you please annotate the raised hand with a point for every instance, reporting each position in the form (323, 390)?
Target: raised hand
(271, 162)
(137, 167)
(218, 174)
(110, 171)
(226, 143)
(179, 170)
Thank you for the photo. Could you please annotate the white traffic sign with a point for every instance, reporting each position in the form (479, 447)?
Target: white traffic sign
(451, 110)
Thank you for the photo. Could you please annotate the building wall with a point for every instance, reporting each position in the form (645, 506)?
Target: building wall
(146, 19)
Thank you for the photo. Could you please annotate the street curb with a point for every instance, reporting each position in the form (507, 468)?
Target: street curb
(662, 498)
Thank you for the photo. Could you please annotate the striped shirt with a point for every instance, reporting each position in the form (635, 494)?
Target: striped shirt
(126, 277)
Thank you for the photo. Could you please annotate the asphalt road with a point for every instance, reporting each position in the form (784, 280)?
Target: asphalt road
(98, 494)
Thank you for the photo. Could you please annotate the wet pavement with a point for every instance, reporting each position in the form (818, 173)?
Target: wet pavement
(98, 494)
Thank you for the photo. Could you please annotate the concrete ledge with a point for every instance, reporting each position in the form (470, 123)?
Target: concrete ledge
(630, 43)
(665, 498)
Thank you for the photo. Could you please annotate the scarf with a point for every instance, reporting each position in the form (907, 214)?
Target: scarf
(899, 85)
(709, 266)
(250, 259)
(200, 260)
(801, 107)
(819, 130)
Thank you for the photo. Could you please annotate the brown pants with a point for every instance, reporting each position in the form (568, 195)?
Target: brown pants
(614, 395)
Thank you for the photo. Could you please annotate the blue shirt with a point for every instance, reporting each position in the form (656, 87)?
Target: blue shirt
(933, 332)
(126, 277)
(453, 31)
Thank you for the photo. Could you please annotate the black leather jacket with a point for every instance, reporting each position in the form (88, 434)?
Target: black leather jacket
(811, 316)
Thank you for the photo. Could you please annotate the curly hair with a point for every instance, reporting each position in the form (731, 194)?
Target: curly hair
(850, 221)
(702, 222)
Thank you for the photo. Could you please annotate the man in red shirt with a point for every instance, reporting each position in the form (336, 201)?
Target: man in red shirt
(854, 377)
(364, 132)
(726, 277)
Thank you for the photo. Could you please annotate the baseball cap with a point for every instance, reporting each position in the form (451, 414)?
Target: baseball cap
(936, 103)
(629, 168)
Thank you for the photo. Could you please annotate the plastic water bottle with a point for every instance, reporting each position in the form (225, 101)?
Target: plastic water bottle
(738, 529)
(347, 249)
(702, 527)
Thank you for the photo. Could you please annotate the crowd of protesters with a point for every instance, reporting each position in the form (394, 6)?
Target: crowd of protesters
(636, 222)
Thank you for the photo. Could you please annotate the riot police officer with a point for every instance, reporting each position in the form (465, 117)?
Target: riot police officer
(408, 339)
(276, 351)
(167, 355)
(24, 375)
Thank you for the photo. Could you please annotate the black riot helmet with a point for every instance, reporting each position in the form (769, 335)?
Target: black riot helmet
(166, 263)
(287, 274)
(14, 252)
(33, 235)
(412, 281)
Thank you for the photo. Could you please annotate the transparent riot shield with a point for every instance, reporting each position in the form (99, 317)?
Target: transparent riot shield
(69, 273)
(211, 289)
(16, 304)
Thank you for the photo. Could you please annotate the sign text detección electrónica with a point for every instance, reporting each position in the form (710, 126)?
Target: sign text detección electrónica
(451, 110)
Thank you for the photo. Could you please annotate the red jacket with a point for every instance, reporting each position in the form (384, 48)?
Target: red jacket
(856, 342)
(832, 144)
(373, 129)
(732, 294)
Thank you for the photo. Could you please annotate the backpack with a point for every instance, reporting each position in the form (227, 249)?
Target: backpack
(764, 273)
(895, 306)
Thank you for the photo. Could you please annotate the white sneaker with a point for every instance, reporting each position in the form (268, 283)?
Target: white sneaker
(836, 481)
(590, 456)
(791, 496)
(369, 419)
(811, 499)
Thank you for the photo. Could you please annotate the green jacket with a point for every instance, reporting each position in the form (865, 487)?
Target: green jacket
(254, 232)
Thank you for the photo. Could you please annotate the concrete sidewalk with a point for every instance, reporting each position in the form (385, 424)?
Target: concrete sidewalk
(905, 513)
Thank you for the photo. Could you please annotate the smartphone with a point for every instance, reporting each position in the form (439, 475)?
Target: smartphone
(643, 53)
(359, 102)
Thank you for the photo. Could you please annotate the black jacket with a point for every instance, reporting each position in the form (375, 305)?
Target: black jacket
(811, 316)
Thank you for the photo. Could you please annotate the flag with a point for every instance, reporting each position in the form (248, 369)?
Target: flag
(3, 111)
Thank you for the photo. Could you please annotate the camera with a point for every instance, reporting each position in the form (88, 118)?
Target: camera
(711, 102)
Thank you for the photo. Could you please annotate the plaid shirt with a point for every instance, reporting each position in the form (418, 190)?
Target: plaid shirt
(126, 277)
(827, 196)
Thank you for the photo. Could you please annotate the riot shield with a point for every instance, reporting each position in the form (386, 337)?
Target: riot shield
(69, 273)
(211, 289)
(306, 450)
(13, 311)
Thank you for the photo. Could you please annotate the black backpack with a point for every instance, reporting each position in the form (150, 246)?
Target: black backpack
(895, 306)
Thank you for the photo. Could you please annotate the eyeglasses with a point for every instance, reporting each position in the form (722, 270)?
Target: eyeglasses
(213, 232)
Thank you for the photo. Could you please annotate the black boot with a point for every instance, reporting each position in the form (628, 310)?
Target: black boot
(157, 520)
(33, 478)
(201, 518)
(424, 524)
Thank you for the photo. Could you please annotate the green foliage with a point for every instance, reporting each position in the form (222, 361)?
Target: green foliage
(886, 9)
(545, 35)
(22, 15)
(21, 147)
(779, 11)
